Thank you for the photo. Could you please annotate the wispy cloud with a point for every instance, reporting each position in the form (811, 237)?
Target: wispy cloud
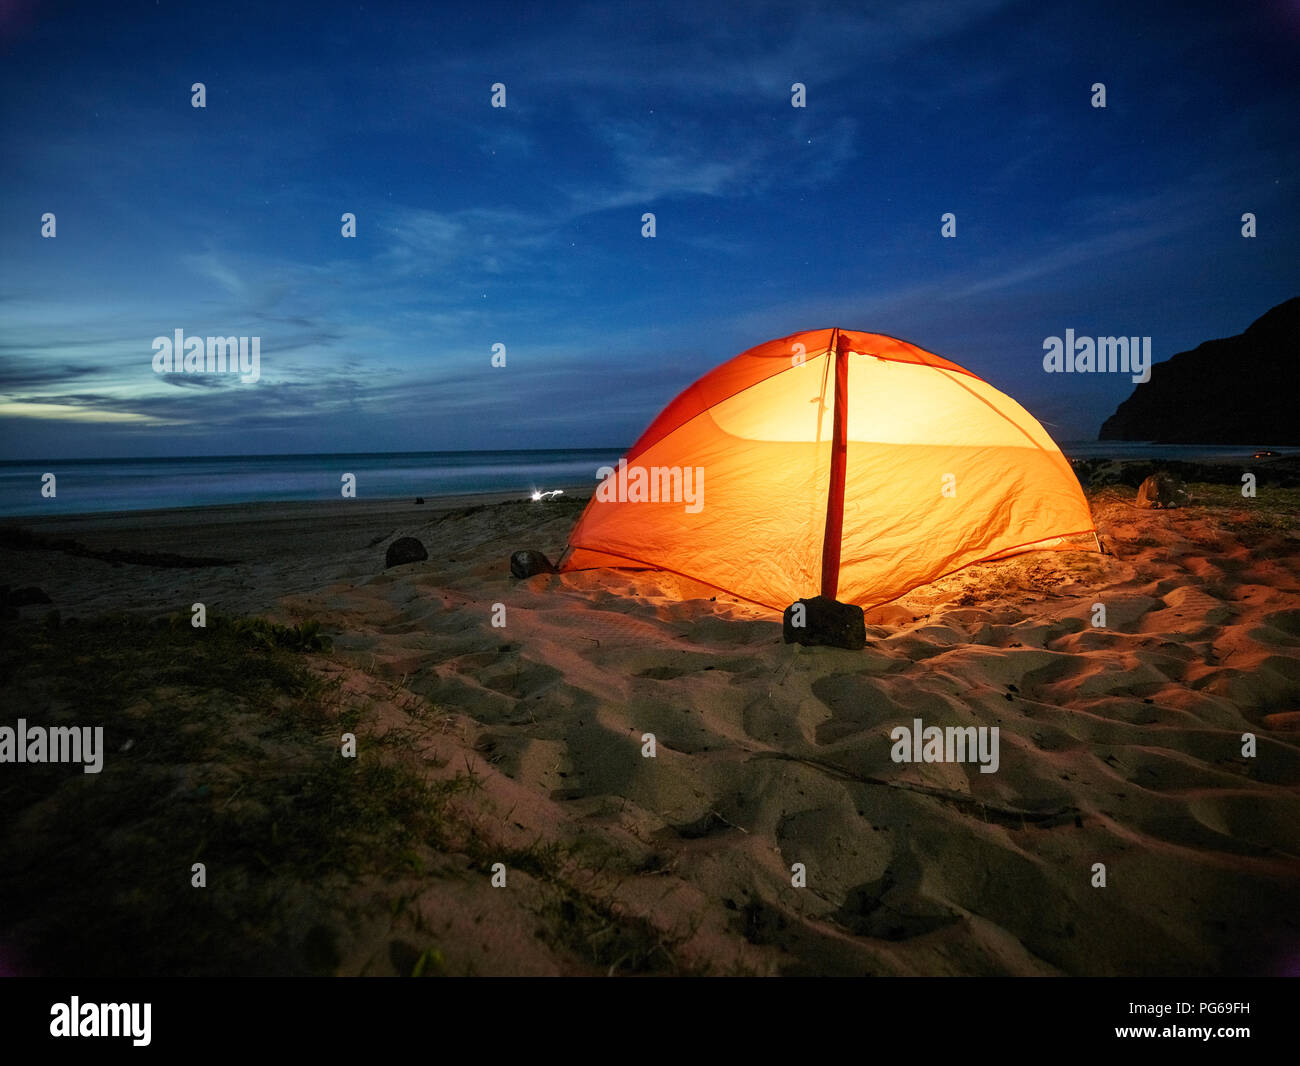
(62, 412)
(208, 265)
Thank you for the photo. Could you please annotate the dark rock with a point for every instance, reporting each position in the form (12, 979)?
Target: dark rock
(23, 597)
(1278, 470)
(419, 499)
(526, 563)
(1162, 491)
(404, 550)
(1232, 391)
(826, 622)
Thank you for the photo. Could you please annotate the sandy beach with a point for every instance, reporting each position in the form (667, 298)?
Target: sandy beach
(1121, 745)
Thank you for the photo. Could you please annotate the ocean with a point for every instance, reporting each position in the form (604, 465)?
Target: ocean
(90, 485)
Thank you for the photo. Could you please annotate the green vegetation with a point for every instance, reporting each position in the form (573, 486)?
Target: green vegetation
(222, 747)
(220, 751)
(1272, 510)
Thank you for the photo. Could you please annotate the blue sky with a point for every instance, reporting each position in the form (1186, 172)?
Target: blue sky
(522, 225)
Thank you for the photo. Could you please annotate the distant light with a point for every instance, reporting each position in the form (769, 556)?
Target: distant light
(547, 495)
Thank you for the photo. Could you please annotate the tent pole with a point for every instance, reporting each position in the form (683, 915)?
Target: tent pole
(839, 453)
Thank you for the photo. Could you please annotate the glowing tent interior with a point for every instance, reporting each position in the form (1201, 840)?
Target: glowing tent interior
(848, 464)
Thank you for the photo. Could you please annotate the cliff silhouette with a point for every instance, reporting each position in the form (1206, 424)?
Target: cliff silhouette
(1239, 390)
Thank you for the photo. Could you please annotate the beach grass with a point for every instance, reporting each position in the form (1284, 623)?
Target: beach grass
(225, 750)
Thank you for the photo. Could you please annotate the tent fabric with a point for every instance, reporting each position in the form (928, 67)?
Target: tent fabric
(831, 461)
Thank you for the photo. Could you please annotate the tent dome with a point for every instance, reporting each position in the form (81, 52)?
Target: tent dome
(848, 464)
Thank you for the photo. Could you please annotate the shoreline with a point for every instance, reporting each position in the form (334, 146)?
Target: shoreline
(256, 510)
(1282, 469)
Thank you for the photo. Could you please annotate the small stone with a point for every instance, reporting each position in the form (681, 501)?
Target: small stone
(526, 563)
(404, 550)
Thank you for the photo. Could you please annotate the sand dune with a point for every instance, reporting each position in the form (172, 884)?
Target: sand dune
(1120, 744)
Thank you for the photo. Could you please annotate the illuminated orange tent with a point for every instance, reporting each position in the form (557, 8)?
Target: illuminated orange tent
(848, 464)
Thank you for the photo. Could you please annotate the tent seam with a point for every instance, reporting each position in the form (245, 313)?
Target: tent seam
(835, 329)
(1027, 546)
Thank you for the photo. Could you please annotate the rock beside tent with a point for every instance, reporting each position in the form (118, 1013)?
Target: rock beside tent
(404, 550)
(526, 563)
(820, 620)
(1162, 491)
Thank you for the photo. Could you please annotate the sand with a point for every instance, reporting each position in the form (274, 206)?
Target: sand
(1121, 745)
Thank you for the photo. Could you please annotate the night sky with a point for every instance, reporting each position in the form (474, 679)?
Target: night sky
(522, 225)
